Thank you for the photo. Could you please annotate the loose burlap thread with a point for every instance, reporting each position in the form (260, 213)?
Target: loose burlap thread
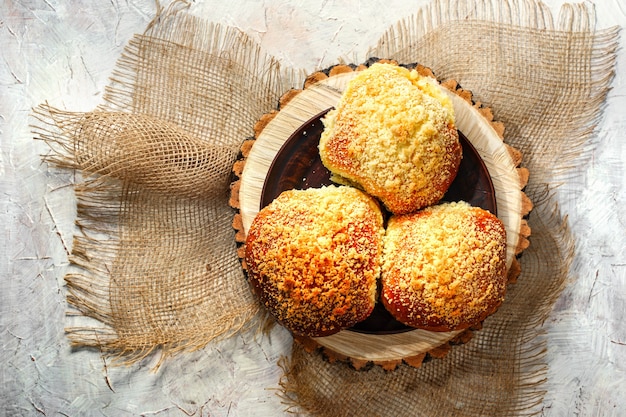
(155, 264)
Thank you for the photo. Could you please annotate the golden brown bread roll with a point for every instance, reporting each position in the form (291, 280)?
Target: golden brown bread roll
(393, 135)
(444, 267)
(314, 256)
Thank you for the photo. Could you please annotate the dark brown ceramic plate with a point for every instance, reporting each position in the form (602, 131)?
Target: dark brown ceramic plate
(297, 165)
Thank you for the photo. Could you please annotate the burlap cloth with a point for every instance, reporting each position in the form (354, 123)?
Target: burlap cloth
(154, 260)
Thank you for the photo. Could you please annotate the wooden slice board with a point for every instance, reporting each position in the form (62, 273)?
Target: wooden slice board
(323, 91)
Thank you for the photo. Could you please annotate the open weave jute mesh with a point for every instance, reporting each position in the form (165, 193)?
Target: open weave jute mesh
(154, 260)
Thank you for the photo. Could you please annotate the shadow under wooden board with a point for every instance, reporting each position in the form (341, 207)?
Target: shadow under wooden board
(283, 155)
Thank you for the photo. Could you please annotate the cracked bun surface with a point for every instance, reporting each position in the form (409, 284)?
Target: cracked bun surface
(314, 257)
(444, 267)
(393, 135)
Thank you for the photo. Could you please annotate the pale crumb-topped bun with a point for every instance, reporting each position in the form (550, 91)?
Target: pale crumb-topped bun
(393, 135)
(314, 258)
(444, 267)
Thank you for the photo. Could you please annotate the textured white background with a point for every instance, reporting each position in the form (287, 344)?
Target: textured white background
(64, 51)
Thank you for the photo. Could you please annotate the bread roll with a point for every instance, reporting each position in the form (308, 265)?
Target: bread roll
(393, 135)
(444, 267)
(313, 257)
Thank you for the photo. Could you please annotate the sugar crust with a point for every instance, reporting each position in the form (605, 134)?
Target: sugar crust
(393, 135)
(444, 267)
(314, 258)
